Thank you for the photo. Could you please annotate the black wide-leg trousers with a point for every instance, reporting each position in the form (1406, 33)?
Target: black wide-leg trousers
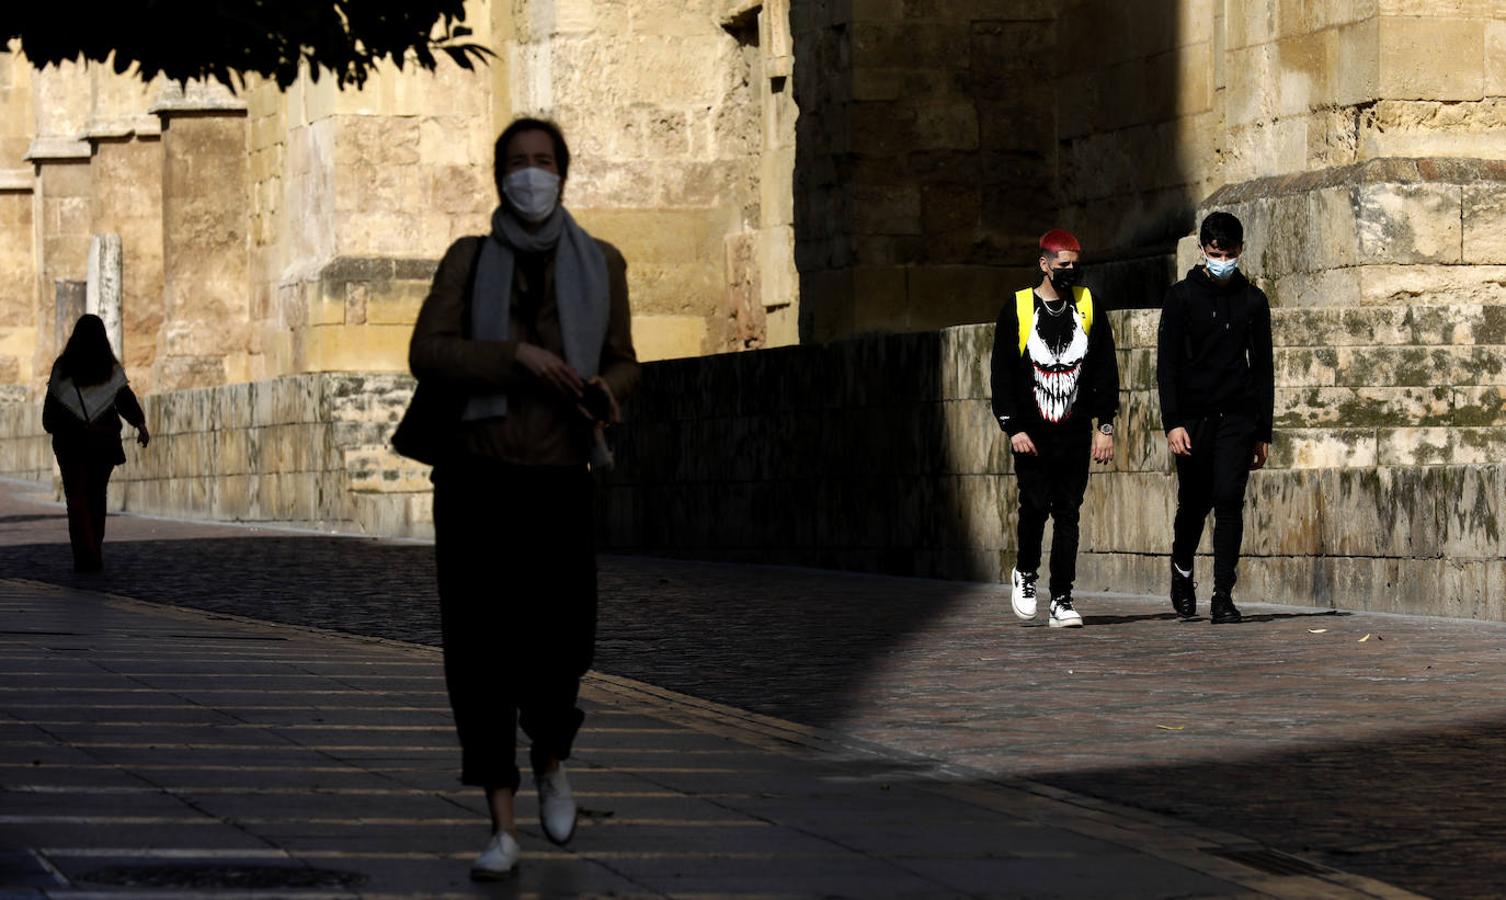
(515, 551)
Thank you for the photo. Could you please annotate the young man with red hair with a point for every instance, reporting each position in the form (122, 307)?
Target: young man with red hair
(1054, 372)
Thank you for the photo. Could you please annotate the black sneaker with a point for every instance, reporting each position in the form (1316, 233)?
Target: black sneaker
(1183, 593)
(1224, 610)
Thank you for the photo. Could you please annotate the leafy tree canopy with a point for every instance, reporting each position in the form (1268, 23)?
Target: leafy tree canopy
(228, 39)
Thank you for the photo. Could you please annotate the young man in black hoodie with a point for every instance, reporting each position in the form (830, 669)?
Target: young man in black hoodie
(1217, 384)
(1054, 371)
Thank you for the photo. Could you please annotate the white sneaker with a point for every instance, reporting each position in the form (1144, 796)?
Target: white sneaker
(556, 806)
(499, 860)
(1022, 593)
(1062, 613)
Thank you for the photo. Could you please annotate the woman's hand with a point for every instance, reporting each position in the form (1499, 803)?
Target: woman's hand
(615, 418)
(143, 437)
(1021, 443)
(550, 369)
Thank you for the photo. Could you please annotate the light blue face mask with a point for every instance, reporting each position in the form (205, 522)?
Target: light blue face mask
(1222, 268)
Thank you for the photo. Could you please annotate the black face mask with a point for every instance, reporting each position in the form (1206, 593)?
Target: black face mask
(1064, 280)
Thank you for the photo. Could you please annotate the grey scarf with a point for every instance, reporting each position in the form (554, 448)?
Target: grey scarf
(580, 287)
(86, 402)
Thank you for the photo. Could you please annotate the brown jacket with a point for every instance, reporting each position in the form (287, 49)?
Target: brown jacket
(541, 428)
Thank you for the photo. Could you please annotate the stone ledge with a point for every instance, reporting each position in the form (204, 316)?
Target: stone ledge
(17, 181)
(196, 98)
(143, 126)
(1374, 171)
(55, 148)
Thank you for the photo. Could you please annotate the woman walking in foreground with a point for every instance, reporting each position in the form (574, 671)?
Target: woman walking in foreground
(527, 333)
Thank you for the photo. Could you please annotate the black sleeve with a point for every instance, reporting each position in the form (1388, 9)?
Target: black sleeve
(130, 408)
(1105, 359)
(1169, 341)
(1003, 367)
(1262, 366)
(52, 414)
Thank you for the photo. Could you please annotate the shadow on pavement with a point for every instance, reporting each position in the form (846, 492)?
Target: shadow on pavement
(27, 519)
(1420, 809)
(1249, 618)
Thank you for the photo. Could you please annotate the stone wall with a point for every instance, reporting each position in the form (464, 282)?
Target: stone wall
(262, 230)
(678, 133)
(1384, 231)
(303, 450)
(926, 159)
(1385, 489)
(18, 282)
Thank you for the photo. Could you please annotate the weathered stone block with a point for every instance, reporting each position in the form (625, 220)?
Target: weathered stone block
(1470, 511)
(1394, 366)
(1325, 448)
(1284, 513)
(1484, 222)
(1415, 446)
(1478, 446)
(1373, 407)
(1479, 406)
(1381, 512)
(284, 401)
(1407, 74)
(1309, 367)
(1410, 223)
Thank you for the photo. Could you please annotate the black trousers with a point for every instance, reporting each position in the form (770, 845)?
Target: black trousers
(1213, 479)
(516, 558)
(1052, 484)
(86, 483)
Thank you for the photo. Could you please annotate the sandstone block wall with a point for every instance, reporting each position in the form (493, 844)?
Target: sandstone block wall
(1384, 491)
(678, 129)
(925, 162)
(303, 450)
(880, 455)
(1384, 231)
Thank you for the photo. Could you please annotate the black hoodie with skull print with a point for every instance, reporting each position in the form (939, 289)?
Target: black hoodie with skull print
(1065, 379)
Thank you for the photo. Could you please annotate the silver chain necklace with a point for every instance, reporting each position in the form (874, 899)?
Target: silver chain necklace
(1046, 305)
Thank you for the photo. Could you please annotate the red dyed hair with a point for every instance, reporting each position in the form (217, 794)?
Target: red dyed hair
(1057, 240)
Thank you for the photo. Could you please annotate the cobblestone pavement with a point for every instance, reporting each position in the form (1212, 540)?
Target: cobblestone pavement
(151, 751)
(1365, 742)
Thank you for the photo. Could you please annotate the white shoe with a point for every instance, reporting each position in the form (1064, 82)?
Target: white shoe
(1062, 613)
(1022, 593)
(556, 806)
(499, 860)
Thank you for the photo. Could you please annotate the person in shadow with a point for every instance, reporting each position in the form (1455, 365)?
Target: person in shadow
(529, 328)
(87, 396)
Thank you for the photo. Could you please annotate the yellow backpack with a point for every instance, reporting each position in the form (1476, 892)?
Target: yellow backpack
(1024, 305)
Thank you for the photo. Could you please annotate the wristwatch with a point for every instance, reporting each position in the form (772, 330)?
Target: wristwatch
(1106, 428)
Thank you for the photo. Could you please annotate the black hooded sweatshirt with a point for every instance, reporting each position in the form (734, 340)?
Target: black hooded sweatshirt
(1013, 378)
(1214, 352)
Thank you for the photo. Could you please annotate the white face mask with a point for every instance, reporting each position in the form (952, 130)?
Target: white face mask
(1222, 268)
(533, 193)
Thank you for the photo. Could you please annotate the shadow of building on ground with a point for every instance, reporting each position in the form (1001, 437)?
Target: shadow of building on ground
(1417, 808)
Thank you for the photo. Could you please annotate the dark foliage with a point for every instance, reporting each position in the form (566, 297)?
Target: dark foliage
(226, 40)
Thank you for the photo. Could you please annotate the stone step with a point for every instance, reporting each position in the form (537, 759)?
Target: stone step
(1455, 324)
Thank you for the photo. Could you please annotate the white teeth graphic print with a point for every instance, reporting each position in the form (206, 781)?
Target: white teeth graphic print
(1057, 368)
